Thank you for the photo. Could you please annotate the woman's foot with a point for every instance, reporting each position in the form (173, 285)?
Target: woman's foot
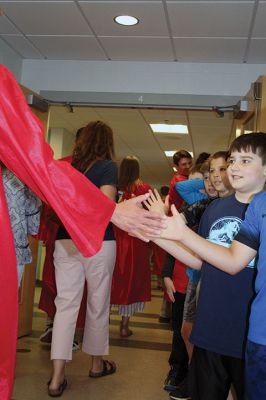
(108, 368)
(56, 389)
(124, 329)
(57, 383)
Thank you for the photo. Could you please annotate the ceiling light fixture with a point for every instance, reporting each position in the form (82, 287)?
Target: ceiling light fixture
(169, 128)
(170, 153)
(126, 20)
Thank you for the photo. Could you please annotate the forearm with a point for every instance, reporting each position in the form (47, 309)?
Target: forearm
(229, 260)
(180, 252)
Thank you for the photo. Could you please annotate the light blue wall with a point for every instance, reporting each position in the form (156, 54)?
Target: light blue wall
(10, 59)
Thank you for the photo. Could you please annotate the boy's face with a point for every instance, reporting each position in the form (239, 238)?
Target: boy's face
(184, 165)
(218, 176)
(246, 172)
(209, 188)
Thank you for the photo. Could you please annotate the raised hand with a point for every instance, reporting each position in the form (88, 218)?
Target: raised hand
(176, 226)
(154, 203)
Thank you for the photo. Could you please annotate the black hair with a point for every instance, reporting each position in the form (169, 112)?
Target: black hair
(254, 142)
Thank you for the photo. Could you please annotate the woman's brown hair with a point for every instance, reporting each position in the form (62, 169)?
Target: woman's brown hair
(95, 142)
(129, 173)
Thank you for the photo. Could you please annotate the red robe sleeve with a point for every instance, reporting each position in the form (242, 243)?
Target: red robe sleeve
(82, 208)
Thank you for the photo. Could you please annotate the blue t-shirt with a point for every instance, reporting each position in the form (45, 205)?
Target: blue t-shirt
(253, 234)
(224, 301)
(102, 172)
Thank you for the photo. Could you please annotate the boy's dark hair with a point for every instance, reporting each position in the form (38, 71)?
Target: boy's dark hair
(202, 157)
(180, 154)
(164, 190)
(254, 142)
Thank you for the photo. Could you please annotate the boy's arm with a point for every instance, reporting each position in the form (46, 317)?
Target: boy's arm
(189, 190)
(180, 252)
(230, 260)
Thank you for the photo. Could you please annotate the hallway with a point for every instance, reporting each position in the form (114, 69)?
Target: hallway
(141, 361)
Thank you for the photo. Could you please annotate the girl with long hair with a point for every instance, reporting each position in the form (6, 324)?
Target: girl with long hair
(131, 286)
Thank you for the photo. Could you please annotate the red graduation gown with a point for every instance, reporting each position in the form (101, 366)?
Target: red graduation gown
(82, 208)
(132, 276)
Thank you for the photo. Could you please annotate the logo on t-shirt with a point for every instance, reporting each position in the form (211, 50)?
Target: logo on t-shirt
(224, 230)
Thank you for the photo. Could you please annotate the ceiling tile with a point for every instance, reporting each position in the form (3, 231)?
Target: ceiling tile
(22, 46)
(257, 51)
(150, 14)
(210, 19)
(43, 18)
(138, 49)
(210, 50)
(68, 47)
(6, 27)
(259, 25)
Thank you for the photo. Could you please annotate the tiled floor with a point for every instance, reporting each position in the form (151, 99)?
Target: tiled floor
(141, 360)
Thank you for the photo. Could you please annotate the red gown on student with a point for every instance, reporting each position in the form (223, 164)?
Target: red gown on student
(132, 275)
(75, 200)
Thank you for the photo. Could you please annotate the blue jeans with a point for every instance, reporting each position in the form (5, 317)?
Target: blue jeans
(256, 371)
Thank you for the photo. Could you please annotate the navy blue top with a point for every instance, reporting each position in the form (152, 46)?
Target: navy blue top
(253, 234)
(224, 301)
(102, 172)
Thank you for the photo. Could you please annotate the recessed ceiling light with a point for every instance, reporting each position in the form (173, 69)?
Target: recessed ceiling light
(169, 128)
(126, 20)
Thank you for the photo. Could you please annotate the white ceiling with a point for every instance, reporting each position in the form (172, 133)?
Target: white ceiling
(133, 135)
(184, 31)
(230, 31)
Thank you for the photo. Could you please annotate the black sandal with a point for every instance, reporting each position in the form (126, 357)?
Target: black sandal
(59, 391)
(109, 368)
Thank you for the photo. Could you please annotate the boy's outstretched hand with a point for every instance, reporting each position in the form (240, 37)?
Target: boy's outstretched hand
(176, 226)
(154, 203)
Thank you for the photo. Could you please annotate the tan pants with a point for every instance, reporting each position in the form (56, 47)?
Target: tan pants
(71, 270)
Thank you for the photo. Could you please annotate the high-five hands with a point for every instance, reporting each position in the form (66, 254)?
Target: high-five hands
(154, 203)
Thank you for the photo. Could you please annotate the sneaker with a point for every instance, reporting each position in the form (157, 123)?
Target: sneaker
(181, 393)
(172, 380)
(46, 336)
(75, 346)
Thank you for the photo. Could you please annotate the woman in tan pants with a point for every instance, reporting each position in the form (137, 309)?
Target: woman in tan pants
(92, 156)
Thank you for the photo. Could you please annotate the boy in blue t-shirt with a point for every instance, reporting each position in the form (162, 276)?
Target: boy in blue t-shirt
(223, 309)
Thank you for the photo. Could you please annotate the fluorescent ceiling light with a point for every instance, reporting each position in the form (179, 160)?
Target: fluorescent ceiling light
(169, 128)
(170, 153)
(126, 20)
